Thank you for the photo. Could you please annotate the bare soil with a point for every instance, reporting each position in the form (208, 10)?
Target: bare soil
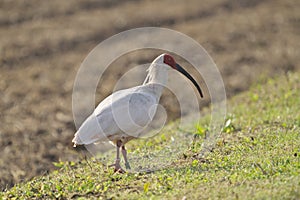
(42, 44)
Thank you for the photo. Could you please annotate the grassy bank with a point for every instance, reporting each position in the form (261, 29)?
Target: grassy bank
(256, 157)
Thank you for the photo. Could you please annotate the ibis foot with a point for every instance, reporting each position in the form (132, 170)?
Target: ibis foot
(127, 165)
(118, 167)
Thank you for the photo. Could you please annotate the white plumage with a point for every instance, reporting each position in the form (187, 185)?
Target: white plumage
(122, 116)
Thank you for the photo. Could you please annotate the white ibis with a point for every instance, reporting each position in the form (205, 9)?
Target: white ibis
(122, 114)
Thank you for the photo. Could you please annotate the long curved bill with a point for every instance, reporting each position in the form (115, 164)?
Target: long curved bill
(181, 70)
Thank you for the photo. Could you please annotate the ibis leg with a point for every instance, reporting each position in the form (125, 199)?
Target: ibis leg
(124, 152)
(117, 165)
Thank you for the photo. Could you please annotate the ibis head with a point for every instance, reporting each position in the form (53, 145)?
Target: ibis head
(170, 61)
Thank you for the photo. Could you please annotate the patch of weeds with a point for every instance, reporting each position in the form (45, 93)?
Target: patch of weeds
(228, 126)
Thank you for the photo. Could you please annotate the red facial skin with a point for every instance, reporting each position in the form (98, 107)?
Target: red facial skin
(169, 60)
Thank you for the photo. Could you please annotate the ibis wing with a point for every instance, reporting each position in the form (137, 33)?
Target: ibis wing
(89, 132)
(126, 111)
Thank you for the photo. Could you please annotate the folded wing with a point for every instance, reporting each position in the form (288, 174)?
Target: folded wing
(125, 112)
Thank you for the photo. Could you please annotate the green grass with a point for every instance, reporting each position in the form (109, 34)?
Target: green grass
(256, 157)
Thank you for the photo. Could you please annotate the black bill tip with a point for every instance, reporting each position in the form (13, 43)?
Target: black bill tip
(186, 74)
